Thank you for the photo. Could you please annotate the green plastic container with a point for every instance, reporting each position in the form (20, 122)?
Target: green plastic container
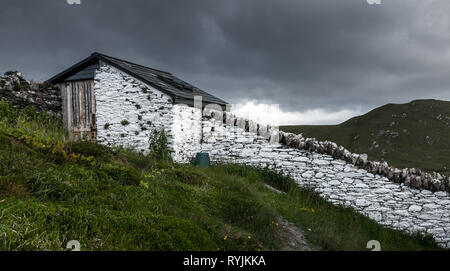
(202, 160)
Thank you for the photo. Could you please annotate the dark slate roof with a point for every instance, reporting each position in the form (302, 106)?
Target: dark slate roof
(181, 91)
(85, 74)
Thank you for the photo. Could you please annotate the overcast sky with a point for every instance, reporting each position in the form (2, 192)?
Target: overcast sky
(322, 61)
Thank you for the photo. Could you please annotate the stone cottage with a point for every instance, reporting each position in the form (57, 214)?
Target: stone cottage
(116, 102)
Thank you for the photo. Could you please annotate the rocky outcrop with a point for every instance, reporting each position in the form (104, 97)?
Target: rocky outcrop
(23, 93)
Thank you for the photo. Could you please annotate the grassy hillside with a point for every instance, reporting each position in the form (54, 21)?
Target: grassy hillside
(53, 190)
(416, 134)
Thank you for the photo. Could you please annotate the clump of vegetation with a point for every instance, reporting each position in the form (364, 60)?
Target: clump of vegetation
(138, 106)
(17, 86)
(158, 146)
(8, 113)
(2, 83)
(106, 126)
(125, 122)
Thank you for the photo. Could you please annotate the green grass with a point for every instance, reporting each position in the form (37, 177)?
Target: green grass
(405, 145)
(53, 191)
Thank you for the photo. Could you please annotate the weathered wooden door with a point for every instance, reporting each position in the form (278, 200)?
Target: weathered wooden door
(79, 109)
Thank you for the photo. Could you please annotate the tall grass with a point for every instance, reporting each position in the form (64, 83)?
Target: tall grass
(326, 226)
(28, 122)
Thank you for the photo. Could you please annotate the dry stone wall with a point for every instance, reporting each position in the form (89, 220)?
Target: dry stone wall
(23, 93)
(412, 177)
(393, 204)
(187, 131)
(409, 176)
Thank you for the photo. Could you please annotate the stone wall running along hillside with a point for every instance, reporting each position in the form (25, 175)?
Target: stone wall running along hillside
(22, 93)
(393, 204)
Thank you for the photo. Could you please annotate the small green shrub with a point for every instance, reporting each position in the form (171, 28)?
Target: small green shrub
(106, 126)
(30, 114)
(125, 122)
(2, 83)
(8, 112)
(158, 145)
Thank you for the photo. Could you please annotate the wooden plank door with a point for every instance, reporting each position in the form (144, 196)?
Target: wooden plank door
(79, 109)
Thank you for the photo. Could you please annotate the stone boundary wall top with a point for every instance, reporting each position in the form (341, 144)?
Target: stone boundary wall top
(411, 177)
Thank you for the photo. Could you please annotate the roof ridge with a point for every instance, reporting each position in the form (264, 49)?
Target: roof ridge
(123, 60)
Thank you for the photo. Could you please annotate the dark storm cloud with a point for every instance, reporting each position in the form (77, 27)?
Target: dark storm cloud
(301, 54)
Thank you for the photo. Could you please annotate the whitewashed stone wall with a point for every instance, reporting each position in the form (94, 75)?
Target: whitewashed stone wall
(391, 204)
(187, 132)
(128, 110)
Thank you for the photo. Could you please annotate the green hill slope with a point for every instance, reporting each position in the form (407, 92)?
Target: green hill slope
(53, 191)
(416, 134)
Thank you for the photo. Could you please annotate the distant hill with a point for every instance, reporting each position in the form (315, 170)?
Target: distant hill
(415, 134)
